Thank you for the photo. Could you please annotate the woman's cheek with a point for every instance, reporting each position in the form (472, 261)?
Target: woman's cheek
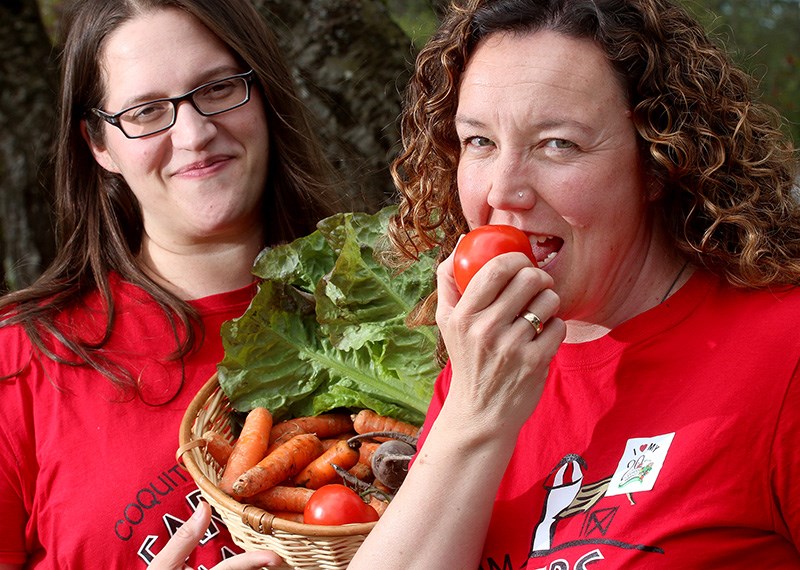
(474, 204)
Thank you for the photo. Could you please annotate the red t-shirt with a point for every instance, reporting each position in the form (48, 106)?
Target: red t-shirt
(88, 479)
(673, 442)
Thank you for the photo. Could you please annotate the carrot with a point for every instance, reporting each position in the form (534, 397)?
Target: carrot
(362, 471)
(383, 488)
(378, 504)
(218, 447)
(284, 436)
(289, 516)
(283, 432)
(320, 471)
(368, 421)
(249, 449)
(282, 498)
(366, 451)
(323, 425)
(285, 462)
(331, 441)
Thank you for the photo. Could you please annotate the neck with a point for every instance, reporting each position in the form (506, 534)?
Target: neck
(196, 270)
(641, 282)
(646, 291)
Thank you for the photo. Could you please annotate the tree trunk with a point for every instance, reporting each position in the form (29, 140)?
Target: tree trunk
(27, 115)
(351, 61)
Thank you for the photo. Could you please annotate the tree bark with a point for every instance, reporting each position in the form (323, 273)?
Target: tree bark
(27, 115)
(351, 62)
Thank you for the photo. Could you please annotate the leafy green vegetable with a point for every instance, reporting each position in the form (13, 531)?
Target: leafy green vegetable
(327, 328)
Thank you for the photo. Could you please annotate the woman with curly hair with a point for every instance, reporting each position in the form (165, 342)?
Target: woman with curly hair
(633, 398)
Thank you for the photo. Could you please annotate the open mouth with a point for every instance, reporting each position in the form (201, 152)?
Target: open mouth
(546, 248)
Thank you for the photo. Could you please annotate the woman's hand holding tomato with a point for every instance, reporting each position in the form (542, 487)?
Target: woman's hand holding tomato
(499, 362)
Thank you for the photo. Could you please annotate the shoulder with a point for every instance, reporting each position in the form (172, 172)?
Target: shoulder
(17, 350)
(757, 328)
(12, 333)
(774, 303)
(778, 300)
(16, 384)
(760, 316)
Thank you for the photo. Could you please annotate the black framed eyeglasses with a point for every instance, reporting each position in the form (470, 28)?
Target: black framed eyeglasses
(208, 99)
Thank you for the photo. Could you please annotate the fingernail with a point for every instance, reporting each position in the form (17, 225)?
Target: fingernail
(196, 515)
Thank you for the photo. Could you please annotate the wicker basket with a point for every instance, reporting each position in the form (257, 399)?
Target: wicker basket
(300, 545)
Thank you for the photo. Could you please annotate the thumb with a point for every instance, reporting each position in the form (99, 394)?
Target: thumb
(447, 292)
(184, 541)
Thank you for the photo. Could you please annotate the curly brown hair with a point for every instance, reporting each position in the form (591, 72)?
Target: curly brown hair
(726, 170)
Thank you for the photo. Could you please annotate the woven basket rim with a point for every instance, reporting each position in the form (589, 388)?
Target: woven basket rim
(255, 517)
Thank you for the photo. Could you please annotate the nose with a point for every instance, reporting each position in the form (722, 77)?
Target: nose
(511, 184)
(191, 130)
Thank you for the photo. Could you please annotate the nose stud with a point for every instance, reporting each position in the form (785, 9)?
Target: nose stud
(520, 194)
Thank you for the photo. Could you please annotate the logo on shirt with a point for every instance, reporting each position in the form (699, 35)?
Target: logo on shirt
(568, 494)
(640, 465)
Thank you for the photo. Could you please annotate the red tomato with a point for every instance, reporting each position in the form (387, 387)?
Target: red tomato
(336, 504)
(482, 244)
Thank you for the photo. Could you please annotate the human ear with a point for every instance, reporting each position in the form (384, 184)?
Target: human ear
(100, 152)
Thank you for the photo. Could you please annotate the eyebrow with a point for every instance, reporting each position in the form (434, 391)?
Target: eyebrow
(460, 120)
(539, 126)
(206, 76)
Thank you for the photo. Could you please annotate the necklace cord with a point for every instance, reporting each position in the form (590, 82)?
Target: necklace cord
(675, 282)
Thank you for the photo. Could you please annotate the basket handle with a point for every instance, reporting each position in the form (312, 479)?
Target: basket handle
(257, 519)
(199, 442)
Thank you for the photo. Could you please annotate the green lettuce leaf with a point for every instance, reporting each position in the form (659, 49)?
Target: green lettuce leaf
(327, 328)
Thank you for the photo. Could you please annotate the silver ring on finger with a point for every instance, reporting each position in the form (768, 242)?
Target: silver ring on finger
(534, 320)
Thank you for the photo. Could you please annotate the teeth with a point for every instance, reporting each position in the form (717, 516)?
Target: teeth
(548, 259)
(541, 239)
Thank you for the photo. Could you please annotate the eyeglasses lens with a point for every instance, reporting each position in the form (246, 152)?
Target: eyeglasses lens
(211, 99)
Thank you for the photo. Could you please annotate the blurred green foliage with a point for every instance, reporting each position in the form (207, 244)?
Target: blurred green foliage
(415, 17)
(762, 37)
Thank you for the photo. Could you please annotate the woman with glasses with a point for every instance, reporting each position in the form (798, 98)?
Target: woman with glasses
(182, 152)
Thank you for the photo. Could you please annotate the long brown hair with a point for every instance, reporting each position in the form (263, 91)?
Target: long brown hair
(726, 170)
(98, 219)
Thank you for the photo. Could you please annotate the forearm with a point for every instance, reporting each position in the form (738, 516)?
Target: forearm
(440, 516)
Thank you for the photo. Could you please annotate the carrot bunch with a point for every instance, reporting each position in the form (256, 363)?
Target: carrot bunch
(278, 466)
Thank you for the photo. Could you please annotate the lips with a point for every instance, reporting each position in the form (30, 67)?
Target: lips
(200, 166)
(546, 248)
